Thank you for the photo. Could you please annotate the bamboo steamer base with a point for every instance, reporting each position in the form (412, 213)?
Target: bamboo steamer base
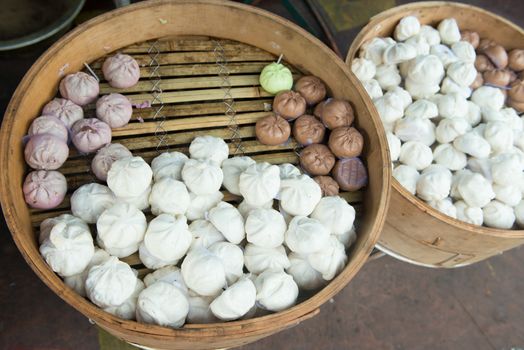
(189, 106)
(176, 45)
(414, 231)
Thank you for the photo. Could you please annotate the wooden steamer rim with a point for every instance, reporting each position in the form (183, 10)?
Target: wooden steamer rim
(162, 18)
(510, 36)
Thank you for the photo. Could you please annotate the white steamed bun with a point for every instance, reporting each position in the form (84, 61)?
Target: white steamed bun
(170, 274)
(204, 234)
(127, 310)
(66, 245)
(169, 196)
(475, 190)
(387, 76)
(259, 183)
(120, 229)
(407, 176)
(299, 195)
(163, 304)
(445, 206)
(335, 213)
(434, 183)
(470, 215)
(265, 228)
(498, 215)
(416, 154)
(276, 290)
(202, 177)
(329, 260)
(306, 235)
(209, 148)
(129, 177)
(203, 272)
(406, 28)
(259, 259)
(168, 164)
(168, 238)
(90, 200)
(394, 146)
(77, 282)
(232, 258)
(110, 283)
(228, 220)
(448, 156)
(235, 301)
(305, 276)
(200, 205)
(415, 129)
(199, 310)
(449, 31)
(363, 69)
(449, 129)
(232, 169)
(422, 109)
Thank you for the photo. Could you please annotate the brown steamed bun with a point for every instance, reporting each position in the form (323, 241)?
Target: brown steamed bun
(499, 77)
(346, 142)
(328, 185)
(289, 104)
(317, 159)
(482, 63)
(272, 130)
(335, 113)
(485, 43)
(497, 55)
(516, 60)
(471, 37)
(308, 130)
(311, 88)
(516, 95)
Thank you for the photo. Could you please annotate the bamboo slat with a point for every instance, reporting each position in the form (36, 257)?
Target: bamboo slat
(238, 54)
(181, 44)
(186, 83)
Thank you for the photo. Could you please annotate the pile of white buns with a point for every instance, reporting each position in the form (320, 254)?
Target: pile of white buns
(209, 260)
(453, 141)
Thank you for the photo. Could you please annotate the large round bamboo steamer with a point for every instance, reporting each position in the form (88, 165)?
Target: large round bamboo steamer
(414, 231)
(128, 28)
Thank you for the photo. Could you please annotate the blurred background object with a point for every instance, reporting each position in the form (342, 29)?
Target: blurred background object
(26, 22)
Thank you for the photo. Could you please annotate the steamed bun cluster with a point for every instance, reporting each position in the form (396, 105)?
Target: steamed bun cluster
(62, 122)
(453, 141)
(209, 260)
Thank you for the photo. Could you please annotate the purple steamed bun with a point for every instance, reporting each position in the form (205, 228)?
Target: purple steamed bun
(121, 71)
(46, 152)
(80, 87)
(44, 189)
(106, 156)
(48, 124)
(114, 109)
(90, 134)
(65, 110)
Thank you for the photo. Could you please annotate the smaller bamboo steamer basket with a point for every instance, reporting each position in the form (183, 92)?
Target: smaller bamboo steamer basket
(414, 231)
(181, 38)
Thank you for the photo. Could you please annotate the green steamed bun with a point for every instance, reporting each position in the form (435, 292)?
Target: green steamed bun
(276, 77)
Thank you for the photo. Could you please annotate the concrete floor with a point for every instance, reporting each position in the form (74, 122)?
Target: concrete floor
(389, 305)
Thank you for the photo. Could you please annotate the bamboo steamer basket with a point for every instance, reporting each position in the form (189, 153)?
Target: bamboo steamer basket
(414, 231)
(182, 64)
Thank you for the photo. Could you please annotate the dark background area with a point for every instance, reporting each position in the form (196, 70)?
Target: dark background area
(389, 305)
